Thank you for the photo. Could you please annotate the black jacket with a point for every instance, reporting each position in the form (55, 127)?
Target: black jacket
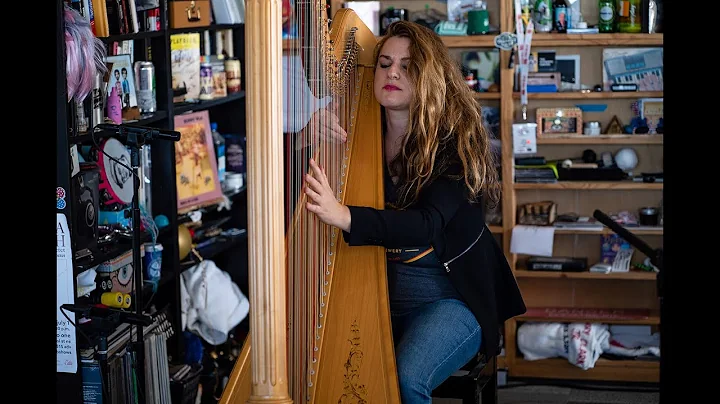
(444, 218)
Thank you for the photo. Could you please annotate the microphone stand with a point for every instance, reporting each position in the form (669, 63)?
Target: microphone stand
(656, 258)
(134, 138)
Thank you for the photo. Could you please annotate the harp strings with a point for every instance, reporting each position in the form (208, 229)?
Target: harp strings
(310, 243)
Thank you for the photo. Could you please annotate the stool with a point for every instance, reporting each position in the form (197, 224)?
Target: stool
(474, 383)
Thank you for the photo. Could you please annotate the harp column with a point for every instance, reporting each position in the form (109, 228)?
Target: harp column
(269, 380)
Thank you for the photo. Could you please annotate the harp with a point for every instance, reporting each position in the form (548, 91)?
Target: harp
(320, 327)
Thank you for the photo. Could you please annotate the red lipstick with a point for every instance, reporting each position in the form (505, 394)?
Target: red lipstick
(390, 87)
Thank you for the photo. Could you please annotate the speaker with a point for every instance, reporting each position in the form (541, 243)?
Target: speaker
(86, 195)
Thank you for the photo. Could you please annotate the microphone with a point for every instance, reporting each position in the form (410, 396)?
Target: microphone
(148, 132)
(624, 233)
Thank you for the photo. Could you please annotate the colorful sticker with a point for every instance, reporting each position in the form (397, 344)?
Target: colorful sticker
(506, 41)
(61, 198)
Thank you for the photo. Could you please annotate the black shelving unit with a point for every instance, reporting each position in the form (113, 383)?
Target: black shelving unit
(228, 112)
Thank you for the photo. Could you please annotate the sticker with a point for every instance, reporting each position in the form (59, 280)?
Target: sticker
(74, 163)
(61, 198)
(506, 41)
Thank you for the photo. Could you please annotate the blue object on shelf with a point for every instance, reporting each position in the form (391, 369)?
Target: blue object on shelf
(592, 107)
(542, 88)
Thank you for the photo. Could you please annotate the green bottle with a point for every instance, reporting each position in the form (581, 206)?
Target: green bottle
(607, 16)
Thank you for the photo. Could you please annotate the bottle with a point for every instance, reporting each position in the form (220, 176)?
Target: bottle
(543, 19)
(114, 106)
(219, 143)
(606, 22)
(629, 16)
(560, 12)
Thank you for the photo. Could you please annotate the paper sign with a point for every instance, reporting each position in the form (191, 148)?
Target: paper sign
(66, 349)
(524, 138)
(533, 240)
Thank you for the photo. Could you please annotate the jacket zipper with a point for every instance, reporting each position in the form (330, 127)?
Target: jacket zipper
(447, 264)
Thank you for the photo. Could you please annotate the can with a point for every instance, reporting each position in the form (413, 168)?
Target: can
(153, 261)
(98, 104)
(543, 16)
(206, 80)
(145, 86)
(219, 78)
(233, 75)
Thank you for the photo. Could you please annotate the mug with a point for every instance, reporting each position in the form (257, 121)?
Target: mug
(478, 22)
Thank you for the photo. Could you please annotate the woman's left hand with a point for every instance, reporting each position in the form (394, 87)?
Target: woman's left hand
(322, 201)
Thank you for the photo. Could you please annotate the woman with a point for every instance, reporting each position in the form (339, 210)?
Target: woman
(450, 285)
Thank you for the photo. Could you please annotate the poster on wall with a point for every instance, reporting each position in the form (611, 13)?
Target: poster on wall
(196, 171)
(66, 349)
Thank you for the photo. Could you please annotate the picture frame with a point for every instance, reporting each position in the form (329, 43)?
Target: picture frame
(569, 68)
(651, 110)
(121, 75)
(198, 184)
(559, 121)
(640, 66)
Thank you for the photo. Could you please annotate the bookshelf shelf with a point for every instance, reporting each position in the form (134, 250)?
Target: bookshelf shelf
(601, 139)
(223, 244)
(641, 231)
(615, 39)
(202, 105)
(136, 35)
(156, 117)
(593, 185)
(601, 95)
(470, 41)
(605, 369)
(632, 275)
(211, 27)
(487, 96)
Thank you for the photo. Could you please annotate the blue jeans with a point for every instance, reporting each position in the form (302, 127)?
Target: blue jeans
(432, 341)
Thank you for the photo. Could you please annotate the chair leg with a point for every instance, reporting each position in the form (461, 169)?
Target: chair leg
(489, 393)
(470, 397)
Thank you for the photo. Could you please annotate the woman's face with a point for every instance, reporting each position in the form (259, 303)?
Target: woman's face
(392, 88)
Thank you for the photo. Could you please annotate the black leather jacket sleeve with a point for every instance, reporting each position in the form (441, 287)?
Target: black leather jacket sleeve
(421, 224)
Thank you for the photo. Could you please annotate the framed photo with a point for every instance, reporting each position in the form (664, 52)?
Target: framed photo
(569, 68)
(122, 78)
(641, 66)
(559, 121)
(651, 109)
(196, 171)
